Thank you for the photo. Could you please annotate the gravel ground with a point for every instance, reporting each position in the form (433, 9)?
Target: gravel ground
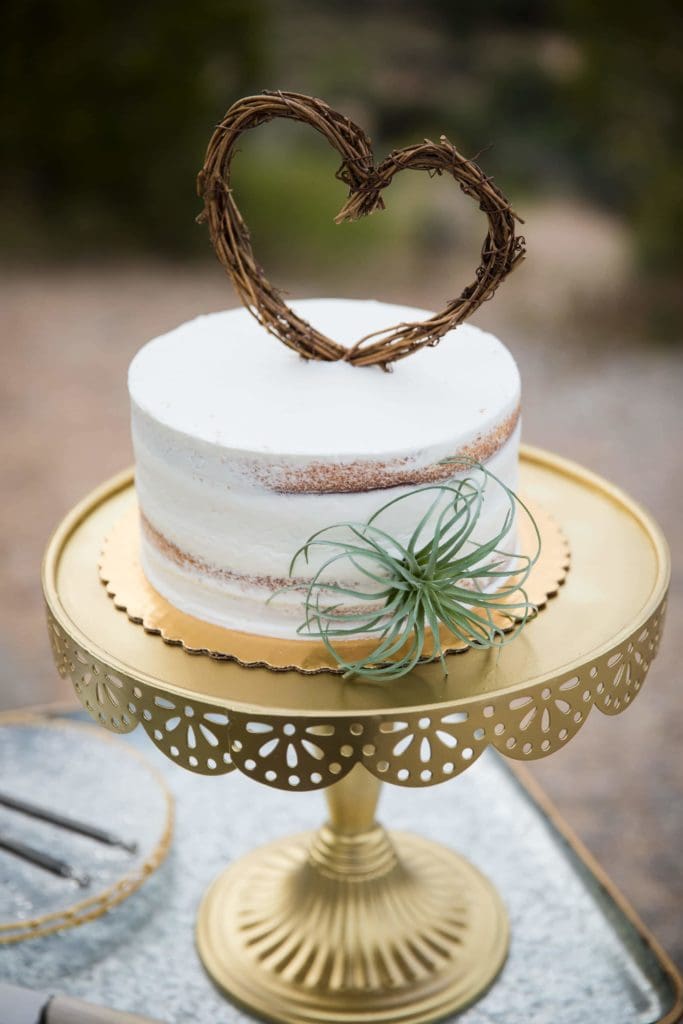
(68, 335)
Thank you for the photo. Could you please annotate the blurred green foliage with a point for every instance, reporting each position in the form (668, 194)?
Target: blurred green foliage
(109, 108)
(107, 115)
(626, 107)
(290, 203)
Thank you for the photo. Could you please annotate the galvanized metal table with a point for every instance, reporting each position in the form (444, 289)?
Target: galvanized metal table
(577, 954)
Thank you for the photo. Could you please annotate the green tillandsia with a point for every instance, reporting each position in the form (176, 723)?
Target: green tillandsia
(440, 576)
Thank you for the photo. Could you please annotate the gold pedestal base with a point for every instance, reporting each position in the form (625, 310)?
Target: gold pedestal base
(354, 927)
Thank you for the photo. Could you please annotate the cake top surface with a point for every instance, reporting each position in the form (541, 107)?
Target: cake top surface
(222, 379)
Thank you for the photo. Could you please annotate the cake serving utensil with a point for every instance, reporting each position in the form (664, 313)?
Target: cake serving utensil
(62, 821)
(26, 1006)
(43, 860)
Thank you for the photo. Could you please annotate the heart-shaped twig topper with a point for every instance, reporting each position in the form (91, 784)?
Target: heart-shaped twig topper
(501, 251)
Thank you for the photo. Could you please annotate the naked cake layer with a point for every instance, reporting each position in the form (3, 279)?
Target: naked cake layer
(243, 449)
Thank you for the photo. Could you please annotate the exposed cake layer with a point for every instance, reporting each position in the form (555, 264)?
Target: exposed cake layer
(243, 450)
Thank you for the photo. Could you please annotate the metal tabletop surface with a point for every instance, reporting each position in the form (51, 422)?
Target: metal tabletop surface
(576, 955)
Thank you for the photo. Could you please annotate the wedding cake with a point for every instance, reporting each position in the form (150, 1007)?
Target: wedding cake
(244, 450)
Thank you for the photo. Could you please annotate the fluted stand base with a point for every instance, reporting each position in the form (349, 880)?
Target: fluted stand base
(353, 927)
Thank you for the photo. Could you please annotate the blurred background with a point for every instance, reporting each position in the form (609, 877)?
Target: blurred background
(575, 108)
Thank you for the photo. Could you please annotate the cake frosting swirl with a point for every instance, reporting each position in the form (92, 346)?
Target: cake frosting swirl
(243, 450)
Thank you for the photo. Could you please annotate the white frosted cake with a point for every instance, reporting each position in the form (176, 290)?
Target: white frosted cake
(244, 450)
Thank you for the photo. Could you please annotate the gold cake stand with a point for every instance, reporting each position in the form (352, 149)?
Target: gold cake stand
(352, 923)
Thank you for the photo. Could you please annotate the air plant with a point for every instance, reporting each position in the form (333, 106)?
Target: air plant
(439, 577)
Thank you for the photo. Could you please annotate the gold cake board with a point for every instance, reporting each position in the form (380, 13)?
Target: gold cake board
(444, 939)
(122, 573)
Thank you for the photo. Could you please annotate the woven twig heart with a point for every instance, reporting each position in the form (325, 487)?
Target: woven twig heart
(501, 251)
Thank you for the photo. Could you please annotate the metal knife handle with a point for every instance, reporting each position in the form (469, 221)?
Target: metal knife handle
(43, 860)
(62, 821)
(65, 1010)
